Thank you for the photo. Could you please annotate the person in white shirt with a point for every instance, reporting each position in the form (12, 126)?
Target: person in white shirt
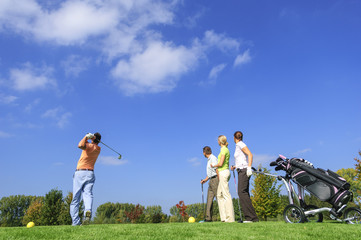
(243, 163)
(212, 176)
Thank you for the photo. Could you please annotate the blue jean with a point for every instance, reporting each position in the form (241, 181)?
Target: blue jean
(83, 182)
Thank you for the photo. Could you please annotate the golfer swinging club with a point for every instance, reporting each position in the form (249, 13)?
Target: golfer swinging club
(84, 178)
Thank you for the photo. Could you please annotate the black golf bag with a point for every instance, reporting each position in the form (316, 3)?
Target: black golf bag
(325, 185)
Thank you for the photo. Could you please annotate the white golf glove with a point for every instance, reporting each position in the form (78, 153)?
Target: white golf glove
(89, 135)
(249, 171)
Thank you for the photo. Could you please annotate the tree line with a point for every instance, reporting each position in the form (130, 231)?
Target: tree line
(53, 208)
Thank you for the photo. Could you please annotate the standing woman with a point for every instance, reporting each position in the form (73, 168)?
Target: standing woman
(224, 198)
(243, 160)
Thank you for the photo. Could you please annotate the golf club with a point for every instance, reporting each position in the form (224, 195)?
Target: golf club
(239, 203)
(204, 212)
(120, 156)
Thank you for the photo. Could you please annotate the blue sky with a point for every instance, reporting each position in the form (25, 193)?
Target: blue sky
(161, 79)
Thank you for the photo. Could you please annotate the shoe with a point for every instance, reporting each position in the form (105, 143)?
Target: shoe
(247, 222)
(88, 215)
(208, 220)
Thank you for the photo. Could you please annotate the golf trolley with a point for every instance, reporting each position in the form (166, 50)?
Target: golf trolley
(325, 185)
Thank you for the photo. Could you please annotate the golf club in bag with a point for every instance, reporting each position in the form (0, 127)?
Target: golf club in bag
(239, 203)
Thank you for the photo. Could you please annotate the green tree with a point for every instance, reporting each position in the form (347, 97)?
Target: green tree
(352, 177)
(266, 196)
(13, 209)
(175, 215)
(64, 217)
(53, 204)
(358, 166)
(107, 213)
(34, 212)
(153, 214)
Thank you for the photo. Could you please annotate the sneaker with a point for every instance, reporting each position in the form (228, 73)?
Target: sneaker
(247, 222)
(88, 215)
(208, 220)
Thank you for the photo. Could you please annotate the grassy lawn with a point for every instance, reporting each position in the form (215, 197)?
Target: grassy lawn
(217, 230)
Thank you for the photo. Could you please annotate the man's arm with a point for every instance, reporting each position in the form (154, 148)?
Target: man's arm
(205, 180)
(82, 143)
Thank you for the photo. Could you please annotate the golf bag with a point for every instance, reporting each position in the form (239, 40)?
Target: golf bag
(325, 185)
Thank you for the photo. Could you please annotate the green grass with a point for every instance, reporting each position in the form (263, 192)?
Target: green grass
(217, 230)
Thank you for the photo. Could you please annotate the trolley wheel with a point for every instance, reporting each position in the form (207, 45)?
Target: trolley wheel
(352, 215)
(293, 214)
(318, 217)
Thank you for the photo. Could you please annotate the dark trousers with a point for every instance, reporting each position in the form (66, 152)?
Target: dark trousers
(244, 198)
(212, 192)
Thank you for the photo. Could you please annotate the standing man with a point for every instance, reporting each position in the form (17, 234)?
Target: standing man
(84, 178)
(212, 176)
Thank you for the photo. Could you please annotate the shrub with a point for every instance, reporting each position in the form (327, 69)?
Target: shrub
(34, 212)
(134, 213)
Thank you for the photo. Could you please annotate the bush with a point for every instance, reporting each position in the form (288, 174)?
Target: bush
(173, 219)
(116, 213)
(154, 214)
(134, 213)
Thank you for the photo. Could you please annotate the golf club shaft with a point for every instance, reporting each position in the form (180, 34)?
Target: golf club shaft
(110, 148)
(204, 210)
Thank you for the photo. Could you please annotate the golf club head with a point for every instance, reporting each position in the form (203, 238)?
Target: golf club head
(120, 156)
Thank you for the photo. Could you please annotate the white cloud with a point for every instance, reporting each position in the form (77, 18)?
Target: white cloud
(75, 21)
(302, 151)
(31, 78)
(7, 99)
(194, 161)
(72, 23)
(75, 64)
(216, 71)
(5, 135)
(263, 159)
(59, 115)
(243, 58)
(156, 69)
(220, 41)
(122, 30)
(113, 161)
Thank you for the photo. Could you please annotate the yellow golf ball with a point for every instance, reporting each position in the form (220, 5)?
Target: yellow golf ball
(191, 220)
(30, 225)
